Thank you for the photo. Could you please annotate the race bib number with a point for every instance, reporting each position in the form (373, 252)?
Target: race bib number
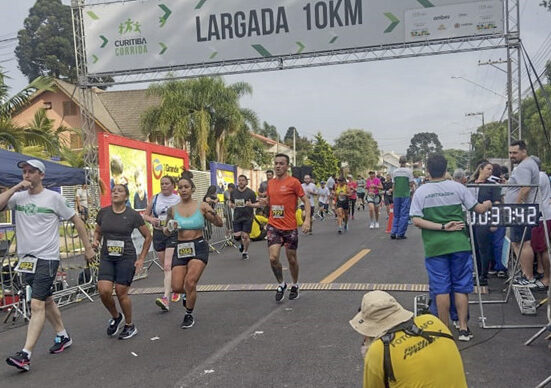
(278, 211)
(239, 203)
(186, 250)
(115, 247)
(162, 219)
(27, 265)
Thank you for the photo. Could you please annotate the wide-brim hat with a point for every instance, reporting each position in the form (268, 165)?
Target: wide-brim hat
(379, 313)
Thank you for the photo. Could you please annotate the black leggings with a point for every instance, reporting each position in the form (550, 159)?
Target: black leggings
(352, 206)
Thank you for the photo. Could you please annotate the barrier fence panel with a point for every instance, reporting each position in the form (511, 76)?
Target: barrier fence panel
(219, 237)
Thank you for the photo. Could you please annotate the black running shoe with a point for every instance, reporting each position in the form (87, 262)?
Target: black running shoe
(465, 335)
(245, 256)
(280, 293)
(401, 237)
(393, 237)
(129, 331)
(293, 294)
(60, 344)
(188, 321)
(241, 248)
(20, 360)
(115, 325)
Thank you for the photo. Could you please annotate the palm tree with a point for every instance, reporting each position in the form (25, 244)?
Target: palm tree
(201, 112)
(13, 136)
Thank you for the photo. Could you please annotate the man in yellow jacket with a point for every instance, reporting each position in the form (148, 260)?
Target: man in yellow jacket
(402, 351)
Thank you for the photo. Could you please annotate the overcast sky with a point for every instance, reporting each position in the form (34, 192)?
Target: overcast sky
(394, 99)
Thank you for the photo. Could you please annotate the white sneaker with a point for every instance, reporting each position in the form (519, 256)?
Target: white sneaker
(377, 225)
(371, 225)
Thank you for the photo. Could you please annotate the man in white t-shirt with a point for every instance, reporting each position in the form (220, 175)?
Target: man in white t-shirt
(323, 199)
(310, 190)
(81, 202)
(539, 242)
(37, 214)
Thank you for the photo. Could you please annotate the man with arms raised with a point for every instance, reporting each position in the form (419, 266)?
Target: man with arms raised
(436, 209)
(242, 200)
(37, 214)
(282, 196)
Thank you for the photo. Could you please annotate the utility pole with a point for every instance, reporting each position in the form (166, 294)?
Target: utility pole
(294, 146)
(483, 130)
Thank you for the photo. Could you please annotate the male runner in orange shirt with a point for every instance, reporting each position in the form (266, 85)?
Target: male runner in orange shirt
(282, 195)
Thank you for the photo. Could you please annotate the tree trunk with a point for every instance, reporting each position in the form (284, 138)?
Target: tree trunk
(220, 155)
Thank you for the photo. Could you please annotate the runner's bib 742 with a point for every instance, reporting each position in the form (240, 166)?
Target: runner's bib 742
(115, 247)
(278, 211)
(27, 264)
(186, 250)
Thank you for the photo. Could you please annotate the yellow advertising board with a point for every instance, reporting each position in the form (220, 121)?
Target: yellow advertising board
(162, 165)
(127, 166)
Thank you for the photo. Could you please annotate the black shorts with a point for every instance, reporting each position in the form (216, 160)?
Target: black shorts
(201, 248)
(517, 231)
(324, 206)
(243, 226)
(361, 195)
(343, 205)
(42, 280)
(84, 213)
(161, 242)
(120, 271)
(388, 200)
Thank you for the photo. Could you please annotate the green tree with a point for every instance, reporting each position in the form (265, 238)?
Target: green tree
(246, 151)
(269, 131)
(358, 148)
(288, 138)
(456, 159)
(421, 145)
(491, 140)
(46, 45)
(322, 159)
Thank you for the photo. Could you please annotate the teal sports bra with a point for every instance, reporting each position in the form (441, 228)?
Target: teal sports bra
(194, 222)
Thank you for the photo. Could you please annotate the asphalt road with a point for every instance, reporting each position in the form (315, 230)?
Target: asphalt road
(245, 339)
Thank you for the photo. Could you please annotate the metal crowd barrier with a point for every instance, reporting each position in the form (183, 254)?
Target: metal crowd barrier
(220, 237)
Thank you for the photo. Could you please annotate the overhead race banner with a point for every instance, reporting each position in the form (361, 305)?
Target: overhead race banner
(155, 34)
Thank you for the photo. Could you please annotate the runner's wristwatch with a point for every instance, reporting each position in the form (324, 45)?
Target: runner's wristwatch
(443, 227)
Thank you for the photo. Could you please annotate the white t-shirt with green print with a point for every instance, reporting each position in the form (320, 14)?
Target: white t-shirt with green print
(37, 222)
(441, 202)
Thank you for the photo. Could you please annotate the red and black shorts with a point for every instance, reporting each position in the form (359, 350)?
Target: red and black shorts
(288, 238)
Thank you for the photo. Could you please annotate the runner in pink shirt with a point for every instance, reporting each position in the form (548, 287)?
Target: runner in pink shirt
(373, 185)
(353, 196)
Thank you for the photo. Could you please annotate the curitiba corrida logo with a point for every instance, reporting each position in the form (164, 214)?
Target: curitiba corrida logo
(157, 168)
(131, 41)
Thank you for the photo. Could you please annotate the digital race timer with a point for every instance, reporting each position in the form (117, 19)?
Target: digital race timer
(508, 215)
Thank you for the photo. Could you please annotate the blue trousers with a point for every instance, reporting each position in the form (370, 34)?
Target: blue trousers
(497, 242)
(401, 216)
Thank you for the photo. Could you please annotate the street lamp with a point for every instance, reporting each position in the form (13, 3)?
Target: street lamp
(483, 132)
(479, 85)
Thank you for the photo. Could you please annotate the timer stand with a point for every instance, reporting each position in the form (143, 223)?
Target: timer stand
(508, 215)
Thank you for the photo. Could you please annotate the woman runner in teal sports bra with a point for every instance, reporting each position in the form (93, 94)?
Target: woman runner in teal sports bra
(191, 253)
